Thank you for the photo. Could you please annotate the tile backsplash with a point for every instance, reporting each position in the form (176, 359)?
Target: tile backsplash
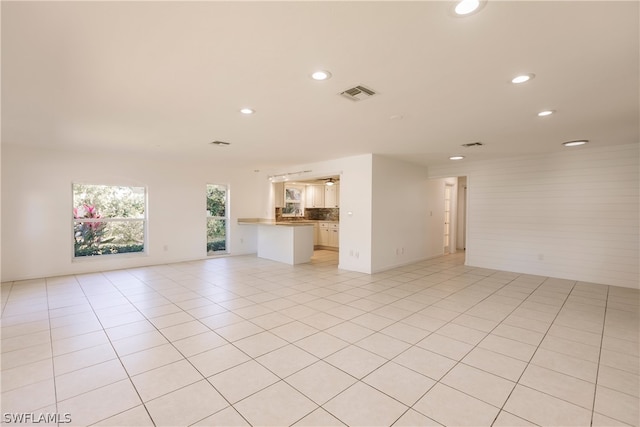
(321, 214)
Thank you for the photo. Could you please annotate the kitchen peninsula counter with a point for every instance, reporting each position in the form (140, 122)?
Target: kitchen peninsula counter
(287, 242)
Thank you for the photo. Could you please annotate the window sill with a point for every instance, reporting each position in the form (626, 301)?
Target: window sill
(92, 258)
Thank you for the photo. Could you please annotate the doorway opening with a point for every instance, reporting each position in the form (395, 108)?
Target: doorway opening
(446, 221)
(454, 217)
(448, 190)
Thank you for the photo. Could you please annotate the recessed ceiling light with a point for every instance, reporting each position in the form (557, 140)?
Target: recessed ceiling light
(466, 7)
(456, 157)
(575, 143)
(247, 110)
(522, 78)
(546, 113)
(321, 75)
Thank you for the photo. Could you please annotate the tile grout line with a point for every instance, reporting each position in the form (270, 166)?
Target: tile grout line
(11, 283)
(357, 380)
(334, 286)
(93, 310)
(204, 378)
(487, 333)
(53, 365)
(409, 407)
(6, 301)
(517, 382)
(158, 330)
(476, 346)
(254, 359)
(595, 387)
(232, 405)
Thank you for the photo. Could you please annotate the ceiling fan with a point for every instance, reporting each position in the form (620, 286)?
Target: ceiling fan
(329, 181)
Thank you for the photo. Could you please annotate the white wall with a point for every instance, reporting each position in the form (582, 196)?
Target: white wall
(36, 209)
(355, 205)
(570, 215)
(399, 213)
(355, 213)
(383, 208)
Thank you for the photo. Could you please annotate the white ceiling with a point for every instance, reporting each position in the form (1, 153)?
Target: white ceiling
(167, 78)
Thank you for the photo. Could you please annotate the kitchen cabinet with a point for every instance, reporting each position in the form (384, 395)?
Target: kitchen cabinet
(314, 196)
(316, 234)
(323, 236)
(332, 196)
(329, 234)
(278, 194)
(334, 237)
(322, 196)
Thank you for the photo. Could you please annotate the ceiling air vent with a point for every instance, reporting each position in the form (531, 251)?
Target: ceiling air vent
(358, 93)
(473, 144)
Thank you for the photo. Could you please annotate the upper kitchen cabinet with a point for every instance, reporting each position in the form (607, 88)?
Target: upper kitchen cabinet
(332, 196)
(322, 196)
(314, 196)
(278, 194)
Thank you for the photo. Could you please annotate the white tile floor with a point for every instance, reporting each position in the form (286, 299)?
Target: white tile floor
(244, 341)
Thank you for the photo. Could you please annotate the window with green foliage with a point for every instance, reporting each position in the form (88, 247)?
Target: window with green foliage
(217, 219)
(108, 219)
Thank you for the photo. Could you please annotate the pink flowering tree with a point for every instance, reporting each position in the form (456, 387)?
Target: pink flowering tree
(89, 234)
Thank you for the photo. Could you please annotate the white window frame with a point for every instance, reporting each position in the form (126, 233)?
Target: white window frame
(226, 219)
(144, 221)
(296, 204)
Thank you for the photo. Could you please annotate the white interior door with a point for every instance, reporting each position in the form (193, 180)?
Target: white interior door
(447, 217)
